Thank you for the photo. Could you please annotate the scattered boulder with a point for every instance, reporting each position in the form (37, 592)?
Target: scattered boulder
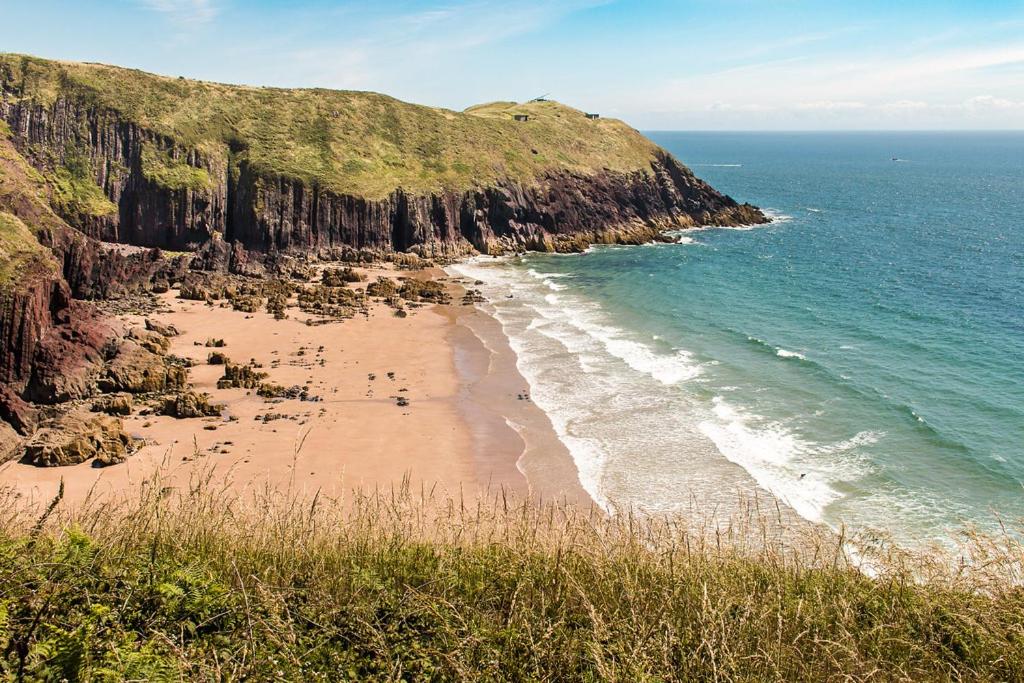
(138, 370)
(120, 403)
(74, 438)
(188, 404)
(339, 277)
(334, 302)
(269, 390)
(149, 340)
(247, 303)
(217, 358)
(424, 290)
(382, 287)
(161, 329)
(241, 377)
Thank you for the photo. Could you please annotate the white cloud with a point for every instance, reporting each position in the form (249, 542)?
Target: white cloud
(187, 13)
(990, 102)
(830, 105)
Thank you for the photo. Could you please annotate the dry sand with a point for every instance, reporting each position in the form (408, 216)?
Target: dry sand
(466, 430)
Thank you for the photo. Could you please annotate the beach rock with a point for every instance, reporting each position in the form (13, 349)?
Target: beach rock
(137, 370)
(206, 287)
(382, 287)
(240, 377)
(190, 404)
(151, 341)
(161, 329)
(339, 277)
(114, 404)
(424, 290)
(74, 438)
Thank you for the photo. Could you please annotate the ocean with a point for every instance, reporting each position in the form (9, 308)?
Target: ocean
(861, 357)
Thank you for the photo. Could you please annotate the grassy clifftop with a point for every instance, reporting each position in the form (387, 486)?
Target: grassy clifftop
(358, 143)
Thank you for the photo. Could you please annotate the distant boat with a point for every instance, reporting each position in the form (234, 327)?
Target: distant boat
(898, 159)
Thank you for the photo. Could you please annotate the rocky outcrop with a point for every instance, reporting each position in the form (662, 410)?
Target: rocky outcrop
(75, 438)
(136, 369)
(190, 404)
(69, 358)
(114, 404)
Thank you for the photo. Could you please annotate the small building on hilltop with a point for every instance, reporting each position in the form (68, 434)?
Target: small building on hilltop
(520, 117)
(593, 116)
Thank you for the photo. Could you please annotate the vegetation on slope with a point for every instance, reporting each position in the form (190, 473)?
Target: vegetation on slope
(20, 253)
(203, 586)
(24, 209)
(74, 192)
(161, 168)
(350, 142)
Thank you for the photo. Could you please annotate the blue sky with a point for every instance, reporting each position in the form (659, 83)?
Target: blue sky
(659, 64)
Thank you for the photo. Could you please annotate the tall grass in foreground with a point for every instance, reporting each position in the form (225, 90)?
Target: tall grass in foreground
(202, 584)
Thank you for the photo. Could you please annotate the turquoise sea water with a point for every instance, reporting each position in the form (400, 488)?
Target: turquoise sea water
(862, 357)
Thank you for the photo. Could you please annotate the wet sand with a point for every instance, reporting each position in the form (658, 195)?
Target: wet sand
(469, 428)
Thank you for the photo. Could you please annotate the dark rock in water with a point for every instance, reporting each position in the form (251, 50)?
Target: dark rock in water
(114, 404)
(190, 404)
(74, 438)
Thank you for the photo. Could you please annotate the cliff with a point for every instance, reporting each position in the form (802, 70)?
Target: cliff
(163, 162)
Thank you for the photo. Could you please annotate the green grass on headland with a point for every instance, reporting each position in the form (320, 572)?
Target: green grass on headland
(361, 143)
(201, 586)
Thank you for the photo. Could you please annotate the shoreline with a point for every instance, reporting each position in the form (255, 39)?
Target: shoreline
(471, 427)
(495, 390)
(466, 430)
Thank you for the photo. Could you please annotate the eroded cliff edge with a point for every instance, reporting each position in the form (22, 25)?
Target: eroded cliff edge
(312, 170)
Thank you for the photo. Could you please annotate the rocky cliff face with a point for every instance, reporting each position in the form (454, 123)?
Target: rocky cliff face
(560, 210)
(28, 311)
(147, 214)
(561, 207)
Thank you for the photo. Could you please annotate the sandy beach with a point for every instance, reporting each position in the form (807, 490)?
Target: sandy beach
(468, 428)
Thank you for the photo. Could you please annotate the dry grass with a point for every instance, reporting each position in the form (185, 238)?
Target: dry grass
(203, 584)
